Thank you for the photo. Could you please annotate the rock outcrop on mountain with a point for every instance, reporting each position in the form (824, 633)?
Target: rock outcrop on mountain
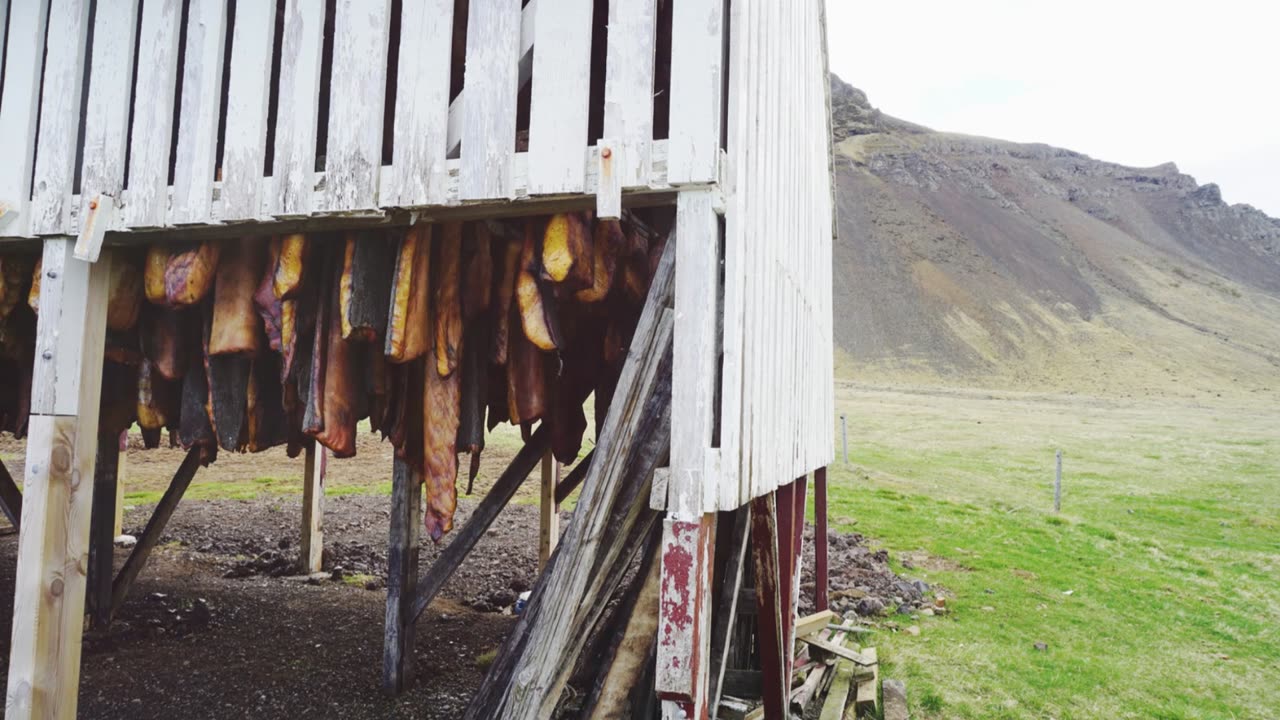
(970, 260)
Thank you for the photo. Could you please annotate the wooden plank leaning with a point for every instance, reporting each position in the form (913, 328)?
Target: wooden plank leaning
(609, 521)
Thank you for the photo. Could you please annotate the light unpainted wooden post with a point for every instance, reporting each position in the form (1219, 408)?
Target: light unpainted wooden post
(311, 548)
(62, 441)
(122, 463)
(402, 578)
(549, 511)
(1057, 484)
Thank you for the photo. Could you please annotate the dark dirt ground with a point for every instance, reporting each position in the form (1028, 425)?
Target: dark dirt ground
(217, 626)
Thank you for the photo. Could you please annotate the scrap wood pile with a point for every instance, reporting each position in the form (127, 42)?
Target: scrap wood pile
(832, 678)
(432, 333)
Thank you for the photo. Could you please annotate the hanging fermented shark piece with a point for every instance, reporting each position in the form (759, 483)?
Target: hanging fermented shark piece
(124, 292)
(33, 295)
(332, 414)
(447, 313)
(475, 392)
(504, 288)
(15, 274)
(166, 336)
(287, 274)
(634, 266)
(158, 403)
(477, 274)
(189, 275)
(567, 255)
(194, 427)
(154, 268)
(441, 404)
(228, 377)
(408, 327)
(235, 327)
(362, 300)
(118, 403)
(536, 303)
(499, 410)
(264, 406)
(577, 379)
(376, 385)
(526, 383)
(17, 363)
(269, 307)
(607, 246)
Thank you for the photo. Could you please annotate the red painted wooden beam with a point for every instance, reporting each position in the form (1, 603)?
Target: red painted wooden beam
(765, 556)
(820, 573)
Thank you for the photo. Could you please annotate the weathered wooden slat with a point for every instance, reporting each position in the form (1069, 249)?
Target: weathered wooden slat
(59, 117)
(297, 115)
(357, 96)
(560, 93)
(101, 527)
(10, 498)
(147, 200)
(150, 536)
(631, 652)
(628, 90)
(867, 701)
(420, 174)
(839, 651)
(402, 577)
(457, 108)
(491, 82)
(311, 547)
(548, 510)
(106, 130)
(697, 90)
(481, 518)
(49, 588)
(198, 112)
(248, 91)
(22, 53)
(727, 607)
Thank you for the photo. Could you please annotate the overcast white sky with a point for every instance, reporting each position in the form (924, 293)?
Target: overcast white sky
(1138, 82)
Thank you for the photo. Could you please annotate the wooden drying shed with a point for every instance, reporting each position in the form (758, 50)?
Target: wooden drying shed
(127, 121)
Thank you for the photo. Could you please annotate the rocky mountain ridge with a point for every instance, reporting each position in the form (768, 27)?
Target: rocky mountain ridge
(1032, 266)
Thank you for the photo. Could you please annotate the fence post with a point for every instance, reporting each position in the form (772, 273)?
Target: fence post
(1057, 485)
(844, 435)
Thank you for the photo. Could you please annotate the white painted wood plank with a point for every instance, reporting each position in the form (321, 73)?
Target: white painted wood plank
(106, 129)
(18, 113)
(560, 96)
(248, 93)
(297, 114)
(420, 172)
(693, 369)
(66, 291)
(147, 197)
(198, 113)
(59, 117)
(491, 80)
(357, 96)
(609, 182)
(628, 90)
(697, 90)
(528, 25)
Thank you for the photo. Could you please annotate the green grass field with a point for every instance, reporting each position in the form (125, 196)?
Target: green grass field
(1157, 589)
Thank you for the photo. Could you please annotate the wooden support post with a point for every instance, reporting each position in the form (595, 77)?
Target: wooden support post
(548, 511)
(10, 498)
(311, 548)
(786, 517)
(769, 604)
(155, 526)
(727, 606)
(101, 539)
(799, 496)
(482, 517)
(1057, 484)
(820, 572)
(122, 463)
(49, 588)
(402, 577)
